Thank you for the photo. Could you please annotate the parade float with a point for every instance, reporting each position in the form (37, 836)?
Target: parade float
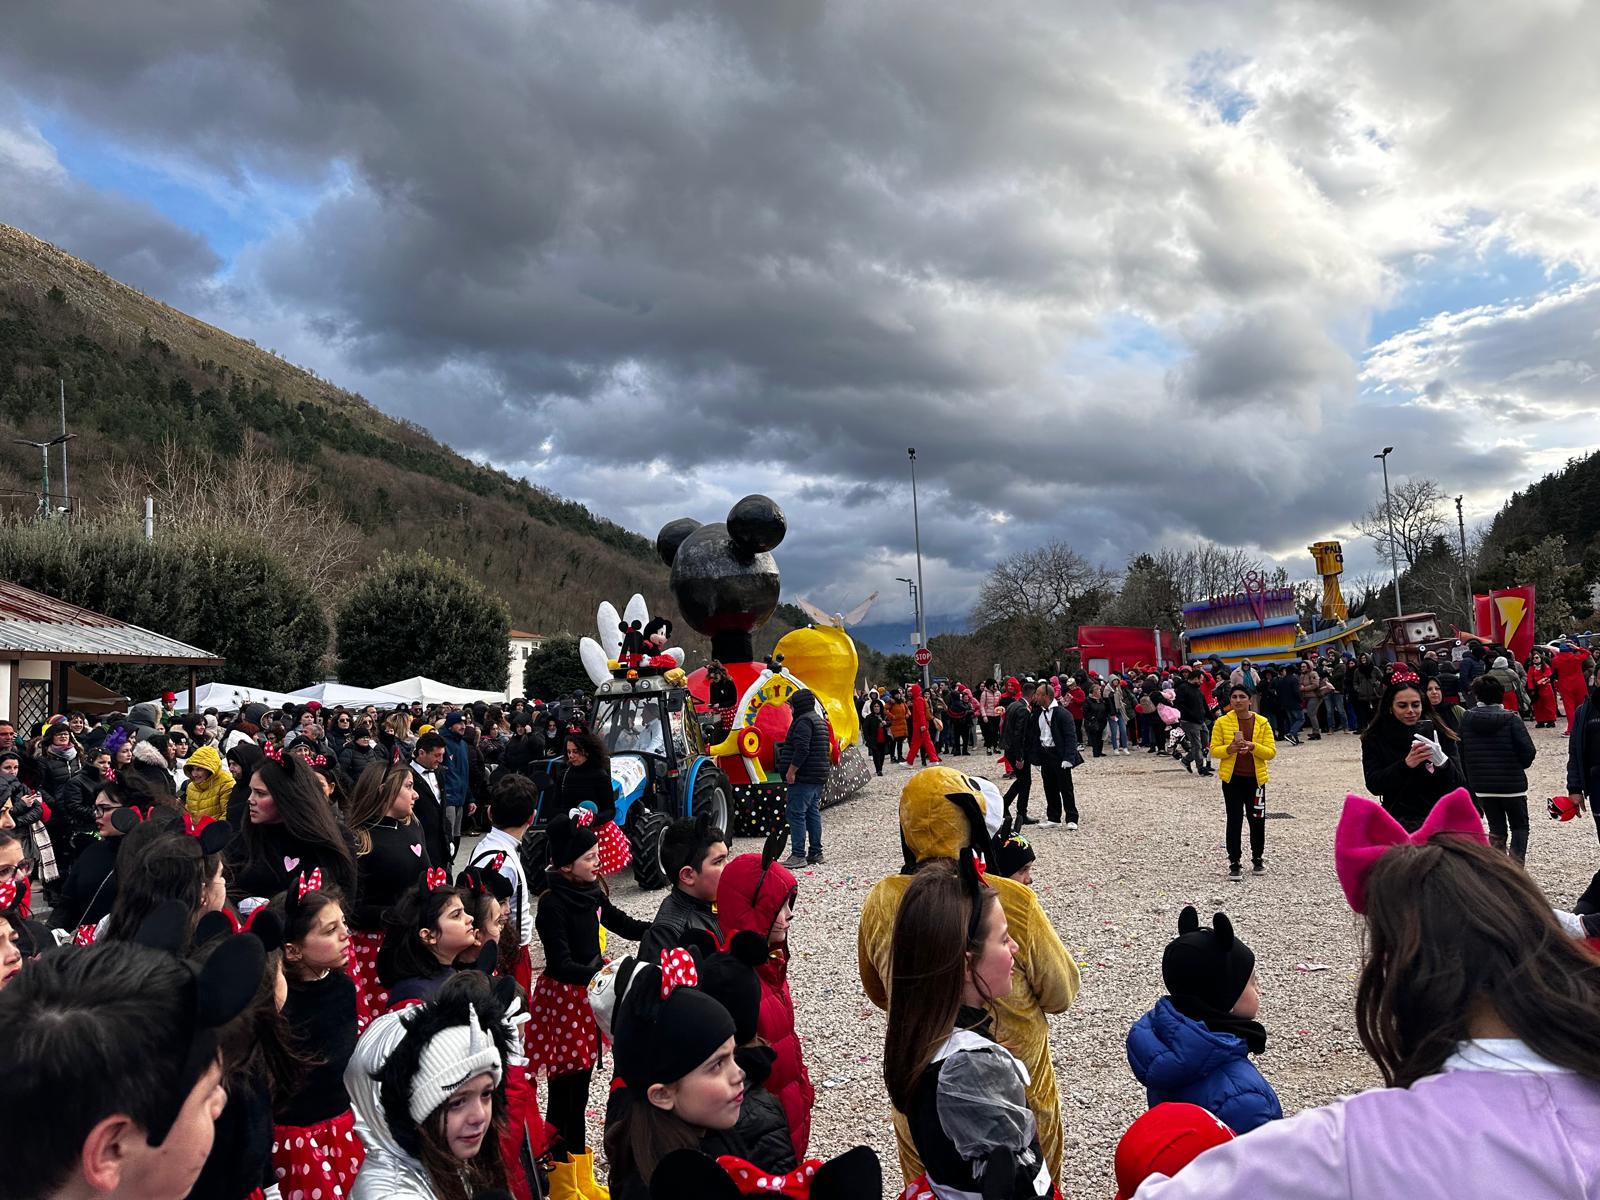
(1261, 622)
(726, 585)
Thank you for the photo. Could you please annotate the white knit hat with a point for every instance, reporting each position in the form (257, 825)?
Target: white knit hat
(451, 1057)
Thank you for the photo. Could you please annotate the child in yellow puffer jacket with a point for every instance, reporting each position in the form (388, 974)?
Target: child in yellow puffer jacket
(210, 784)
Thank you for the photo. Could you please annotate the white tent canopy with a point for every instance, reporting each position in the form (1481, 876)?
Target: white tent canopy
(330, 694)
(228, 697)
(431, 691)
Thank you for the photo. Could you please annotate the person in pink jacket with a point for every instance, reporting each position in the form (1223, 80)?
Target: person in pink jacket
(758, 893)
(1480, 1013)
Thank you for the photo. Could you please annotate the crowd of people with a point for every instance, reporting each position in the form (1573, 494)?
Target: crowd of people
(252, 954)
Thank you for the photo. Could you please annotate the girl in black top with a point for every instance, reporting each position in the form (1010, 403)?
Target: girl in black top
(875, 733)
(314, 1147)
(91, 886)
(587, 781)
(426, 930)
(390, 850)
(563, 1040)
(291, 828)
(1407, 775)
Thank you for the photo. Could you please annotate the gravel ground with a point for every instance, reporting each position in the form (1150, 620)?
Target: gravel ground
(1150, 842)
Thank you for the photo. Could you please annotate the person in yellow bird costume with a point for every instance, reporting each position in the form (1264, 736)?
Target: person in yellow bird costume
(943, 810)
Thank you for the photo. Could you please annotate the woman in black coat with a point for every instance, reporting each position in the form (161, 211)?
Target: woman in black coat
(291, 830)
(1404, 773)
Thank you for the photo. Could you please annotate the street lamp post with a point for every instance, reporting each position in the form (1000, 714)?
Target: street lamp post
(916, 606)
(922, 595)
(1388, 512)
(44, 455)
(1466, 568)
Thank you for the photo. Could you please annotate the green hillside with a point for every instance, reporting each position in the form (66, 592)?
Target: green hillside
(138, 371)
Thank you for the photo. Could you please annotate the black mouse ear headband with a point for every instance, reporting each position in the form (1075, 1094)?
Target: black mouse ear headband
(295, 893)
(262, 922)
(213, 995)
(770, 853)
(212, 834)
(126, 820)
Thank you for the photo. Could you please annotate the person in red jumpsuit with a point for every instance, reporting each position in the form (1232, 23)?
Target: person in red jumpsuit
(1569, 662)
(920, 734)
(1542, 690)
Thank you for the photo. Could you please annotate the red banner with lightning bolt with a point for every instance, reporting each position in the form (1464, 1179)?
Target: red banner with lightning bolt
(1511, 616)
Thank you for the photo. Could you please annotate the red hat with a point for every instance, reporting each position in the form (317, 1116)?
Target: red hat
(169, 697)
(314, 705)
(1562, 808)
(1165, 1140)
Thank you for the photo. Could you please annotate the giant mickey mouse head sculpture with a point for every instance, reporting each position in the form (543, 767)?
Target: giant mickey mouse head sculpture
(724, 577)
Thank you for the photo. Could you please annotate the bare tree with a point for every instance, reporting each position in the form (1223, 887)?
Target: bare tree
(252, 493)
(1051, 581)
(1418, 507)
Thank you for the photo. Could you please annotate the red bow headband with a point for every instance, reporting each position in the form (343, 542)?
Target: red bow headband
(751, 1180)
(1367, 832)
(1404, 675)
(308, 883)
(435, 878)
(15, 893)
(677, 970)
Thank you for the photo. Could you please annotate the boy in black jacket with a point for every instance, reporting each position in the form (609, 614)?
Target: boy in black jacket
(1496, 752)
(693, 851)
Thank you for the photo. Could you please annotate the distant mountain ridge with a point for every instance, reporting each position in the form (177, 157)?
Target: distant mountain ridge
(137, 370)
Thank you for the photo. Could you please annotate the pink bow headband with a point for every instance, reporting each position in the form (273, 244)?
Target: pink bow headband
(1367, 832)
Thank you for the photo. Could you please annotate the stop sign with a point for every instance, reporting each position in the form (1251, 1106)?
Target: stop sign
(923, 656)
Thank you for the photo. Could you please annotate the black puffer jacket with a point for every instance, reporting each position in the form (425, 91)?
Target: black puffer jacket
(1496, 751)
(806, 747)
(762, 1133)
(355, 759)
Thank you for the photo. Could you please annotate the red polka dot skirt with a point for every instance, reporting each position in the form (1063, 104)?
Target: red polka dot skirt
(361, 964)
(562, 1036)
(615, 853)
(317, 1162)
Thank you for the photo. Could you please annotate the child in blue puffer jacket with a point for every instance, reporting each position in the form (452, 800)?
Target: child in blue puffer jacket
(1194, 1046)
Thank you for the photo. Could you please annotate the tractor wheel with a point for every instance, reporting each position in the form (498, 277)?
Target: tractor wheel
(535, 854)
(712, 794)
(644, 839)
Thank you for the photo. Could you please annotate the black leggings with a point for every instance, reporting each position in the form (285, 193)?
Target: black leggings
(1502, 811)
(568, 1099)
(879, 749)
(1238, 796)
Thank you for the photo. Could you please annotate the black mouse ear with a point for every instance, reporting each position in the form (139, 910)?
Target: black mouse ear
(487, 957)
(229, 979)
(1188, 920)
(126, 820)
(690, 1173)
(505, 991)
(164, 928)
(977, 827)
(772, 850)
(1003, 834)
(749, 947)
(214, 838)
(854, 1175)
(269, 931)
(698, 942)
(672, 536)
(214, 925)
(1223, 928)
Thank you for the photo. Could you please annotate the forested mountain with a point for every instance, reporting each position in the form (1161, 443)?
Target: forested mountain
(139, 373)
(1565, 502)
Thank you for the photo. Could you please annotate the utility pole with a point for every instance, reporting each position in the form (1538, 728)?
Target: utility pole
(922, 595)
(1466, 569)
(1388, 512)
(45, 507)
(66, 490)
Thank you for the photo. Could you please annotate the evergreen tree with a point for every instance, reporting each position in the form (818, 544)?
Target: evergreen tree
(419, 615)
(555, 670)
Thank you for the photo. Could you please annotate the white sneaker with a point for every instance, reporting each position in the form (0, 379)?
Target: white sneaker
(1072, 824)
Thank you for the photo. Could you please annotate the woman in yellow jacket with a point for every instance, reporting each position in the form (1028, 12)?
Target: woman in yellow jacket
(1241, 742)
(210, 784)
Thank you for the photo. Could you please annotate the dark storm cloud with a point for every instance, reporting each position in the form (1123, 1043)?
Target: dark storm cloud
(661, 253)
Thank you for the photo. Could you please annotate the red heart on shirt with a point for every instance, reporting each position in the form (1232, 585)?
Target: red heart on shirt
(290, 864)
(416, 848)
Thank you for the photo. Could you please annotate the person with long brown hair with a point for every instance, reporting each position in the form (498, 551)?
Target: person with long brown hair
(291, 828)
(1478, 1009)
(964, 1096)
(1402, 759)
(390, 850)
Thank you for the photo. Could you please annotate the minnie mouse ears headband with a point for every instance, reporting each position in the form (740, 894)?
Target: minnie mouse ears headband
(212, 834)
(854, 1175)
(1367, 832)
(214, 994)
(262, 922)
(484, 881)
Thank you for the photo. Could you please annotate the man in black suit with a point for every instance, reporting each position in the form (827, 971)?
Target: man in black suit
(1056, 746)
(425, 762)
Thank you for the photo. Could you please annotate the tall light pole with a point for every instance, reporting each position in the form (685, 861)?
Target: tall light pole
(922, 595)
(1466, 569)
(44, 455)
(916, 608)
(66, 491)
(1388, 512)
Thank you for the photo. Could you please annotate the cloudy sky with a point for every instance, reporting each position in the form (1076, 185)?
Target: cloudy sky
(1123, 273)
